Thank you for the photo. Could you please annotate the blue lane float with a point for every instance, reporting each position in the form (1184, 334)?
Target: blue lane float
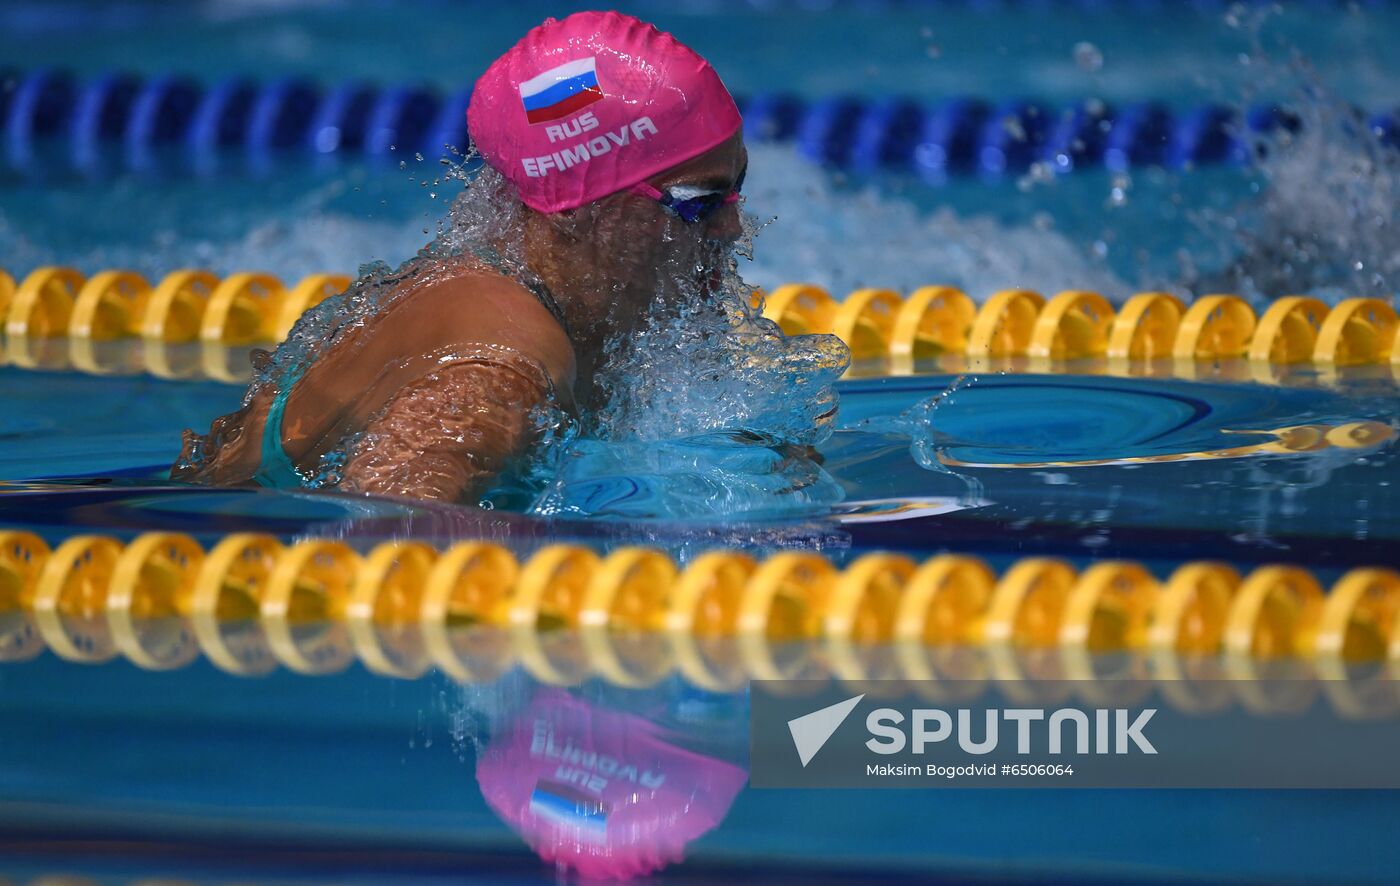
(160, 118)
(400, 121)
(949, 141)
(342, 120)
(101, 110)
(39, 107)
(52, 123)
(1013, 137)
(1078, 136)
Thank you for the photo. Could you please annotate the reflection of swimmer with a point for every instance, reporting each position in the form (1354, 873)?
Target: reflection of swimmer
(624, 151)
(611, 794)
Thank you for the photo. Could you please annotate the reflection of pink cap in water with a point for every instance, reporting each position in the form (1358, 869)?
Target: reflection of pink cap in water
(585, 107)
(599, 792)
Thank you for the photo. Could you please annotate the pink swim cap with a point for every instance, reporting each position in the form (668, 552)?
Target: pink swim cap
(600, 792)
(585, 107)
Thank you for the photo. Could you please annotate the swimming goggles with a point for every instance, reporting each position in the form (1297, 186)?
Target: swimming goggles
(691, 204)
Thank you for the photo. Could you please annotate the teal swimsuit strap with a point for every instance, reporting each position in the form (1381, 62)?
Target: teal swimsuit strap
(497, 262)
(276, 470)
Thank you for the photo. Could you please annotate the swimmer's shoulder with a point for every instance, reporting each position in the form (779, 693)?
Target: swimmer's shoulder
(466, 302)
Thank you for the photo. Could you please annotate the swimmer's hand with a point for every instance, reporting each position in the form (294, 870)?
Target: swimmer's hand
(447, 435)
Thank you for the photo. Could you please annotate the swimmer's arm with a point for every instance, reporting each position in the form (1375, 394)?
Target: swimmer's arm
(447, 435)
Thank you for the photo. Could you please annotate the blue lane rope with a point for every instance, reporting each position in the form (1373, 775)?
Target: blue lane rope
(159, 119)
(1078, 136)
(101, 110)
(949, 142)
(342, 120)
(39, 106)
(50, 123)
(281, 115)
(400, 119)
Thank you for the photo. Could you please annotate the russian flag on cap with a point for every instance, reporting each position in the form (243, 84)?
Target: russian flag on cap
(568, 806)
(561, 91)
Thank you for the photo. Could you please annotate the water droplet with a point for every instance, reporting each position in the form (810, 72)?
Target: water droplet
(1088, 57)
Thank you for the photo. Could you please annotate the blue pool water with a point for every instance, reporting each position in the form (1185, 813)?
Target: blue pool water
(360, 780)
(1000, 48)
(123, 773)
(1083, 466)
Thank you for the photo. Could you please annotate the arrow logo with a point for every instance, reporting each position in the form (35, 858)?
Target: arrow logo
(811, 731)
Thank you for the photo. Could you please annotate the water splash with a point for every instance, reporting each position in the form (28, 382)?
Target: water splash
(702, 409)
(711, 362)
(1328, 183)
(928, 440)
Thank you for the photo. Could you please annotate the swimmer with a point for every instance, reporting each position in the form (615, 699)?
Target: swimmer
(624, 151)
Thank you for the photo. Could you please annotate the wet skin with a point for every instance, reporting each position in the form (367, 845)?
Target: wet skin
(442, 383)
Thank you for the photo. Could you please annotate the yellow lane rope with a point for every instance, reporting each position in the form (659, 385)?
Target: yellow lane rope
(1294, 439)
(930, 328)
(250, 604)
(938, 322)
